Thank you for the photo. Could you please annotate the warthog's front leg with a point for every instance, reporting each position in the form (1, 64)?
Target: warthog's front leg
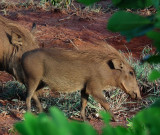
(99, 97)
(96, 91)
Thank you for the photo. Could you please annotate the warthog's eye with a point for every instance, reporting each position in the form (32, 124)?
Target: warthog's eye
(131, 73)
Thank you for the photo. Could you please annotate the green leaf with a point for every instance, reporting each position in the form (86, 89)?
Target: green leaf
(60, 120)
(156, 104)
(105, 116)
(156, 3)
(78, 128)
(157, 18)
(153, 59)
(146, 122)
(155, 36)
(31, 123)
(46, 125)
(134, 4)
(29, 126)
(58, 116)
(139, 31)
(21, 128)
(87, 2)
(158, 15)
(116, 131)
(124, 21)
(154, 75)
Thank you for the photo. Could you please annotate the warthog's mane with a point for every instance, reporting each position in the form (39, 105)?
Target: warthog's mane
(93, 55)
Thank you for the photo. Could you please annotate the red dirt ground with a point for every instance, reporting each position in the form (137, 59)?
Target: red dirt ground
(67, 30)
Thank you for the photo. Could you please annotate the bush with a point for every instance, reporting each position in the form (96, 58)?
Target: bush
(13, 89)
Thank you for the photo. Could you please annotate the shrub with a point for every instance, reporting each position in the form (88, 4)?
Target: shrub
(13, 89)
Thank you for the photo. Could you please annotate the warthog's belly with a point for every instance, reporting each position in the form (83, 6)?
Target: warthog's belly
(64, 84)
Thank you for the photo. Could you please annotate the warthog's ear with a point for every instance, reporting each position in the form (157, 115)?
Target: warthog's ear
(17, 34)
(16, 39)
(115, 64)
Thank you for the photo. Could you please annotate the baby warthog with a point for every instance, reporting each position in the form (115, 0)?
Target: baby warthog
(68, 71)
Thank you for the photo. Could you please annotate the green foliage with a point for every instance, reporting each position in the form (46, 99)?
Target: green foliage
(133, 25)
(13, 89)
(146, 122)
(127, 21)
(130, 25)
(154, 75)
(154, 59)
(134, 4)
(87, 2)
(55, 124)
(154, 35)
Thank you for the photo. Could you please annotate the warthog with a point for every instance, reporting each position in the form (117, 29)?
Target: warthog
(71, 70)
(14, 41)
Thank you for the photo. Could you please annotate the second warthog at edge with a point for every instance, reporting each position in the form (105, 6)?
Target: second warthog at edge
(68, 71)
(14, 41)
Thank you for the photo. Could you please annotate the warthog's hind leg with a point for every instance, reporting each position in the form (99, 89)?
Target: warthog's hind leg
(38, 104)
(84, 99)
(31, 88)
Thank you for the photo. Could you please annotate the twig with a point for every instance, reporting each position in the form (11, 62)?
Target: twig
(73, 44)
(67, 18)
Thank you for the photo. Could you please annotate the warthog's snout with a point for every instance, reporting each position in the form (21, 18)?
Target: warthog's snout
(135, 95)
(139, 97)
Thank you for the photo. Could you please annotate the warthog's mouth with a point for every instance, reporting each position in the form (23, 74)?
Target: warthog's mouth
(134, 95)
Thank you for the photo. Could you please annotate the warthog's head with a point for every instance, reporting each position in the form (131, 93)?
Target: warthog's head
(14, 41)
(125, 77)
